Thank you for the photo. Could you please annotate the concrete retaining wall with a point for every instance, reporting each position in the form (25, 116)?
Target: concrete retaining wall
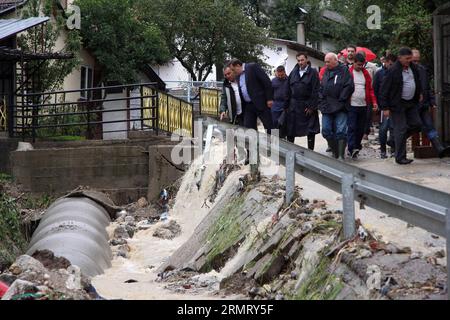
(118, 169)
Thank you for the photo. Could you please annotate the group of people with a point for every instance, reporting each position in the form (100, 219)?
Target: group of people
(347, 91)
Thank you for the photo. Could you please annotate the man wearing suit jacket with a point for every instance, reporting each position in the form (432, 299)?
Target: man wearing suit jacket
(256, 92)
(401, 94)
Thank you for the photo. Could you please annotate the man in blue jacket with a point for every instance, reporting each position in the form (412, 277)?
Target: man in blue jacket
(335, 91)
(256, 92)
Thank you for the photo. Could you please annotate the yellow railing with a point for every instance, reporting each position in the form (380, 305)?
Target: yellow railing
(3, 116)
(174, 115)
(210, 101)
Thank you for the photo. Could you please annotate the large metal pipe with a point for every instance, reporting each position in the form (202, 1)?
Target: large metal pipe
(75, 228)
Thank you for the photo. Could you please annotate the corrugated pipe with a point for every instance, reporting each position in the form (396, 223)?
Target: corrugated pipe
(75, 228)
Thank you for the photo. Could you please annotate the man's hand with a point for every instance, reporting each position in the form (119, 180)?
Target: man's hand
(375, 108)
(386, 113)
(223, 115)
(309, 111)
(270, 104)
(421, 98)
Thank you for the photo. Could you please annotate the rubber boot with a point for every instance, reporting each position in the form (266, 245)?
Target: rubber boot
(342, 144)
(332, 144)
(311, 142)
(441, 150)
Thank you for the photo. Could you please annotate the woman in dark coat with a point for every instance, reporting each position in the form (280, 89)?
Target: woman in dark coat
(301, 102)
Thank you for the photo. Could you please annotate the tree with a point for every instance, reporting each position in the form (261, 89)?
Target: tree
(51, 72)
(285, 15)
(203, 33)
(120, 41)
(257, 10)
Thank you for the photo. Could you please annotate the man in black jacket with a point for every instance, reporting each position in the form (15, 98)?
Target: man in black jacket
(424, 110)
(301, 102)
(230, 100)
(401, 93)
(336, 89)
(256, 92)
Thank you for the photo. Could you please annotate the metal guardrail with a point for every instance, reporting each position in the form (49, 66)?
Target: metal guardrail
(415, 204)
(209, 101)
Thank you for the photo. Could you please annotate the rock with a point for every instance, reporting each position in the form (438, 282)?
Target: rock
(121, 232)
(279, 297)
(19, 287)
(25, 264)
(294, 275)
(73, 282)
(440, 254)
(117, 242)
(142, 202)
(364, 253)
(416, 255)
(207, 280)
(130, 220)
(168, 230)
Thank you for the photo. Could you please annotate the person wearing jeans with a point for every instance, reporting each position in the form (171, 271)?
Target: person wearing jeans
(386, 123)
(335, 90)
(362, 98)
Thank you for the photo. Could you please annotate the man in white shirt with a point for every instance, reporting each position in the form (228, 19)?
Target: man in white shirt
(231, 103)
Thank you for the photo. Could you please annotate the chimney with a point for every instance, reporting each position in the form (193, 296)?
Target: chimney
(301, 37)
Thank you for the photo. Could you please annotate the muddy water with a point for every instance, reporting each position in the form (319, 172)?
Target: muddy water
(148, 252)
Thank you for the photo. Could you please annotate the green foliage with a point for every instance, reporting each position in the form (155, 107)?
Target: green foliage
(5, 177)
(120, 40)
(204, 33)
(51, 72)
(257, 10)
(226, 231)
(321, 285)
(12, 241)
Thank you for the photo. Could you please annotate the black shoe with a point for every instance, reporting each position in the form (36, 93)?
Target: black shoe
(404, 161)
(333, 145)
(384, 155)
(355, 154)
(441, 150)
(311, 142)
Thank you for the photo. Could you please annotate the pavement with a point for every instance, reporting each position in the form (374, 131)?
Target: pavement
(432, 173)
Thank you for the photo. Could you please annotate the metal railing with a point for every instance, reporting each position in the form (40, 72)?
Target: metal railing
(190, 90)
(112, 110)
(417, 205)
(210, 101)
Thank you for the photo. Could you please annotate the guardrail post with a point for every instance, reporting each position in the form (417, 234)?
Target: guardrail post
(254, 158)
(348, 199)
(447, 231)
(290, 176)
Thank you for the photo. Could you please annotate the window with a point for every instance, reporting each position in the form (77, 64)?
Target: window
(86, 82)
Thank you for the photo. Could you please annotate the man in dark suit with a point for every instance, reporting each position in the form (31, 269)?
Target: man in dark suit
(256, 92)
(401, 94)
(425, 107)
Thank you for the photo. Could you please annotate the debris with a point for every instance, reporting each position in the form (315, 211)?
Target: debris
(50, 261)
(374, 280)
(3, 289)
(74, 280)
(142, 202)
(416, 255)
(362, 233)
(19, 287)
(131, 281)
